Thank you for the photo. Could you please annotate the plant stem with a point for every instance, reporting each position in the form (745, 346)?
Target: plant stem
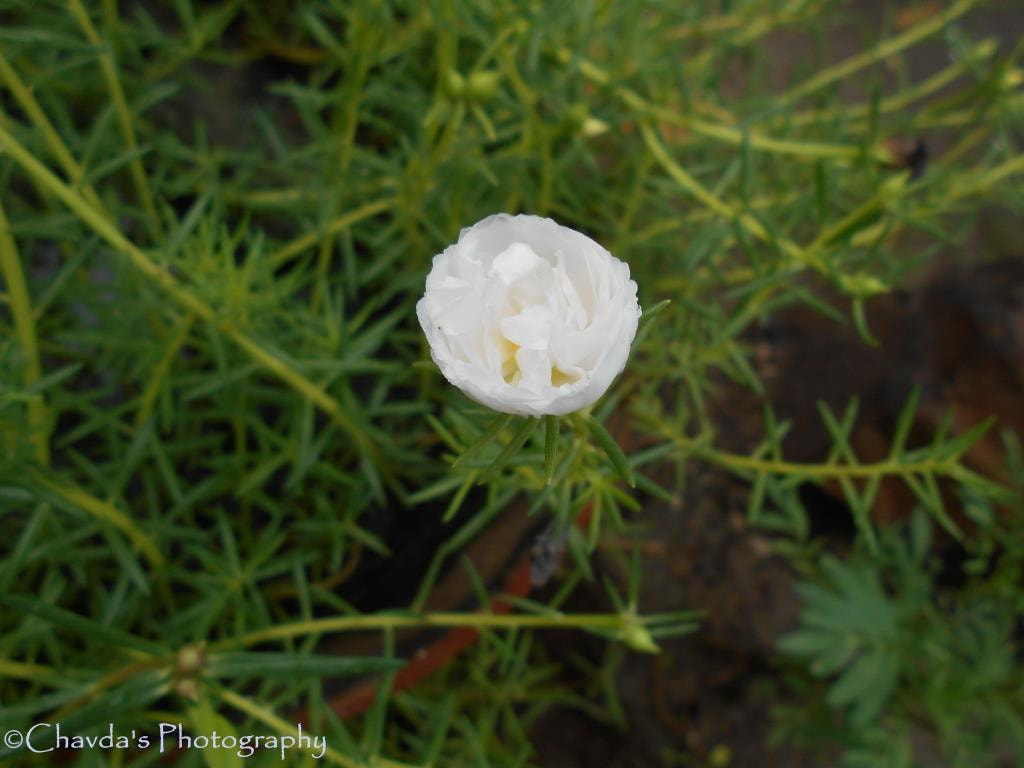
(124, 116)
(101, 510)
(160, 370)
(163, 278)
(819, 471)
(719, 206)
(283, 727)
(382, 621)
(23, 95)
(25, 328)
(333, 227)
(723, 133)
(880, 52)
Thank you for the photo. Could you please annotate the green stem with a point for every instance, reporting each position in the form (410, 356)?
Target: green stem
(892, 103)
(36, 673)
(719, 206)
(101, 510)
(37, 117)
(723, 133)
(163, 278)
(332, 227)
(160, 371)
(745, 463)
(382, 621)
(281, 726)
(124, 115)
(25, 328)
(880, 52)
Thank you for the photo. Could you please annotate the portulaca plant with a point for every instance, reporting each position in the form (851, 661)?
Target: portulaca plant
(529, 317)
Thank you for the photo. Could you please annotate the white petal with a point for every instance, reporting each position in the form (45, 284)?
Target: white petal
(529, 317)
(531, 328)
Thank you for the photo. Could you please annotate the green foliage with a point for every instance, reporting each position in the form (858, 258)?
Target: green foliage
(909, 662)
(215, 401)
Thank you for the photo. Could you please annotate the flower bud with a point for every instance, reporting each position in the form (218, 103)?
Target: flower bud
(593, 127)
(454, 84)
(862, 285)
(985, 48)
(482, 85)
(1012, 79)
(637, 638)
(190, 660)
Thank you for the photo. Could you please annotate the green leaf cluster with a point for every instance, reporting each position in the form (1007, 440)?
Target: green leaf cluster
(911, 665)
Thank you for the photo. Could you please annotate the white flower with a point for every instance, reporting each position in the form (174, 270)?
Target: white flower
(529, 317)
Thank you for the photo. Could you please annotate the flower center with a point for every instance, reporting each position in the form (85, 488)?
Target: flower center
(534, 306)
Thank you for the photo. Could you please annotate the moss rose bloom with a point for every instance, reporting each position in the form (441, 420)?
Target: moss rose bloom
(529, 317)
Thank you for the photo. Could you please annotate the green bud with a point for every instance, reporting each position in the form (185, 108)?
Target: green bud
(454, 84)
(636, 636)
(862, 285)
(187, 688)
(483, 85)
(720, 756)
(1012, 79)
(869, 235)
(985, 48)
(190, 660)
(892, 188)
(593, 127)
